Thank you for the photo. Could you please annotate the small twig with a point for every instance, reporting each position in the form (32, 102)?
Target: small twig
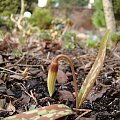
(116, 55)
(18, 22)
(82, 110)
(20, 59)
(4, 110)
(29, 94)
(33, 97)
(9, 71)
(10, 97)
(48, 55)
(26, 65)
(22, 8)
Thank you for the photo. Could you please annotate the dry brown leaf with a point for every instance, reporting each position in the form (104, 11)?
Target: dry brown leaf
(84, 118)
(3, 88)
(1, 81)
(7, 43)
(61, 77)
(88, 65)
(97, 94)
(51, 46)
(10, 108)
(18, 77)
(1, 59)
(66, 95)
(34, 71)
(9, 92)
(25, 98)
(2, 103)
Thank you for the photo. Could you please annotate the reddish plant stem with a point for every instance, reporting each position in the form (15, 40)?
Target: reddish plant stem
(59, 57)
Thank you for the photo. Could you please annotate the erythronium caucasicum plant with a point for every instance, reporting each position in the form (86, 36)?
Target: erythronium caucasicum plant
(90, 79)
(56, 111)
(52, 112)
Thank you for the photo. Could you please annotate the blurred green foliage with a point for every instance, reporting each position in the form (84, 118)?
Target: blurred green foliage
(8, 7)
(1, 35)
(1, 21)
(70, 40)
(116, 9)
(41, 18)
(16, 53)
(115, 37)
(92, 41)
(71, 3)
(45, 35)
(5, 23)
(116, 6)
(98, 15)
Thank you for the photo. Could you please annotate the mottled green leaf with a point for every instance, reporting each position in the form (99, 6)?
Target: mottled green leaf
(95, 70)
(51, 112)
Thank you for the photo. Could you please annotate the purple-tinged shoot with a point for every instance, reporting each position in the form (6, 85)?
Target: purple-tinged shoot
(52, 75)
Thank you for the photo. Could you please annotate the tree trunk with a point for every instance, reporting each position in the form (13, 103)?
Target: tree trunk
(109, 15)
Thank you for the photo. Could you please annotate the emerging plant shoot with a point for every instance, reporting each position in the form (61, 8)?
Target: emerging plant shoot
(90, 79)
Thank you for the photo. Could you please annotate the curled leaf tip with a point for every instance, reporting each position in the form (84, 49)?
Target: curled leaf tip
(52, 74)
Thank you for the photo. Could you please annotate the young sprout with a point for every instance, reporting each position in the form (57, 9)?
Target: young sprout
(52, 74)
(95, 70)
(90, 79)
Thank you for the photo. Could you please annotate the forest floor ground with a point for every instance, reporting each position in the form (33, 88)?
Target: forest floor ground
(23, 80)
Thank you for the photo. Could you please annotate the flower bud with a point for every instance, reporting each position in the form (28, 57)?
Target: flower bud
(52, 74)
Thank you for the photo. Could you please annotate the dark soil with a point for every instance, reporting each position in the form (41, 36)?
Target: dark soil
(104, 99)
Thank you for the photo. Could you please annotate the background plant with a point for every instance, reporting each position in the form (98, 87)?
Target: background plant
(98, 15)
(70, 3)
(92, 41)
(41, 18)
(70, 40)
